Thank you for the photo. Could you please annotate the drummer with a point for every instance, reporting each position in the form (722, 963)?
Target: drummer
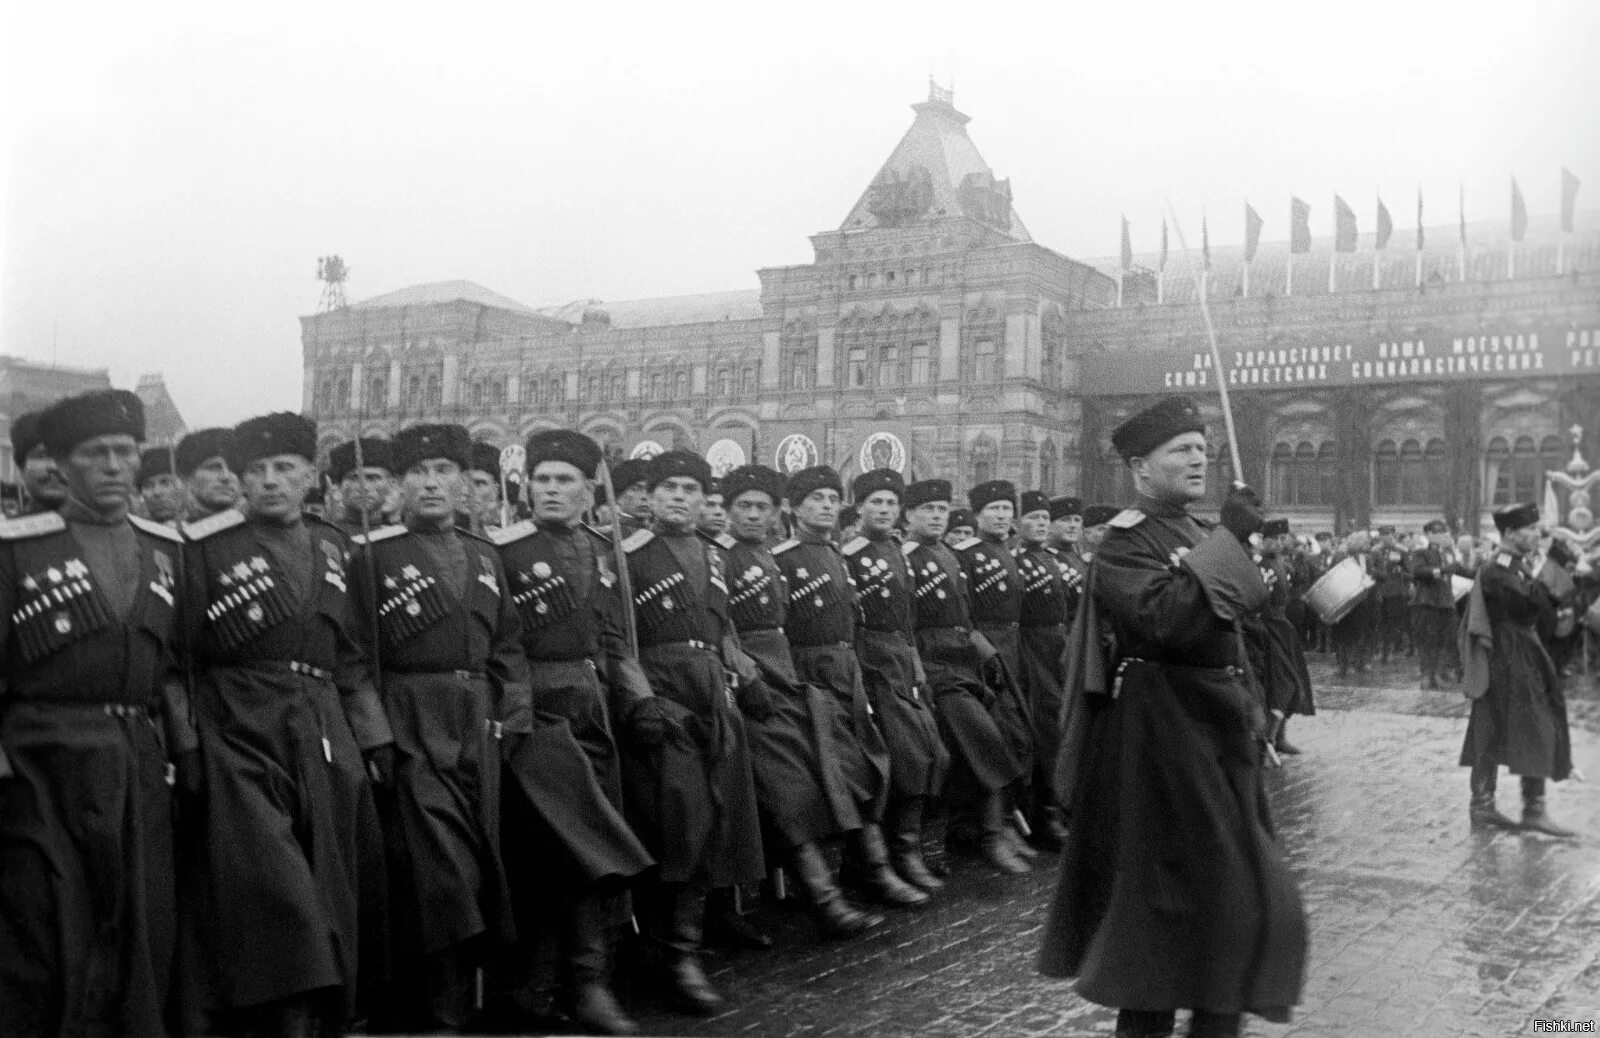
(1352, 635)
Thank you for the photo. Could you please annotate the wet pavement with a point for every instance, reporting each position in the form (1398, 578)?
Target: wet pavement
(1419, 925)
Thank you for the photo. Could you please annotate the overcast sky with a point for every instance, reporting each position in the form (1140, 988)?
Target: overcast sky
(171, 173)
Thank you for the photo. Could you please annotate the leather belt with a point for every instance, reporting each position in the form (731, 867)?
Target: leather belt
(286, 667)
(693, 643)
(464, 675)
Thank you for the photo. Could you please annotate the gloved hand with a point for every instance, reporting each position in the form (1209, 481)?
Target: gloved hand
(1243, 513)
(380, 763)
(648, 721)
(755, 701)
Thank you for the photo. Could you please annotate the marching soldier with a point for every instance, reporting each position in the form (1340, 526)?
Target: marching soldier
(567, 848)
(808, 769)
(891, 671)
(1519, 712)
(961, 527)
(160, 487)
(821, 629)
(699, 821)
(1172, 892)
(207, 473)
(90, 716)
(41, 478)
(988, 760)
(454, 682)
(1434, 607)
(1066, 536)
(633, 496)
(714, 513)
(1048, 596)
(483, 488)
(284, 705)
(366, 484)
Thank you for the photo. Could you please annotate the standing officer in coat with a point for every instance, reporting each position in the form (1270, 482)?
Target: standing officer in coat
(1173, 892)
(891, 671)
(90, 716)
(690, 796)
(208, 477)
(365, 484)
(1519, 713)
(567, 849)
(1048, 596)
(985, 761)
(284, 705)
(1391, 596)
(42, 481)
(807, 766)
(1433, 606)
(455, 683)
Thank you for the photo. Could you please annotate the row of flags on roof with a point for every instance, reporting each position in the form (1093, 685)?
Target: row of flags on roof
(1345, 229)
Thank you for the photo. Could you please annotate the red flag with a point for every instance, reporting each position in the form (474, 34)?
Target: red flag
(1127, 246)
(1519, 213)
(1252, 232)
(1344, 226)
(1569, 199)
(1463, 191)
(1163, 265)
(1299, 226)
(1205, 242)
(1385, 226)
(1419, 219)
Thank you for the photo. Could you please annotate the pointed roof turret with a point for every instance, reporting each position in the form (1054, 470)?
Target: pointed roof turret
(935, 172)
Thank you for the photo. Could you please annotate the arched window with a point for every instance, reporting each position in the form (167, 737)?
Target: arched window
(724, 382)
(1413, 476)
(1515, 472)
(1435, 473)
(377, 393)
(1219, 475)
(497, 393)
(747, 381)
(1386, 474)
(435, 391)
(680, 385)
(801, 368)
(889, 366)
(985, 458)
(656, 386)
(1047, 466)
(414, 391)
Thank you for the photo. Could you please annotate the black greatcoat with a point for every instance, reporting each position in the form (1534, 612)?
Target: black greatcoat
(797, 752)
(691, 799)
(87, 911)
(994, 601)
(1045, 593)
(1521, 721)
(1277, 654)
(891, 672)
(289, 815)
(453, 675)
(1172, 892)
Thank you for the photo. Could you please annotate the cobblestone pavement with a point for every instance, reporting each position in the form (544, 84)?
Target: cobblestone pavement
(1419, 925)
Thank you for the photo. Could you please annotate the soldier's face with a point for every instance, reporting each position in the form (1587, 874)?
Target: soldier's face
(366, 489)
(213, 485)
(484, 490)
(275, 487)
(1093, 535)
(1524, 540)
(163, 497)
(42, 476)
(1067, 529)
(819, 512)
(635, 500)
(559, 491)
(1034, 527)
(1175, 471)
(433, 490)
(995, 517)
(675, 502)
(879, 511)
(752, 514)
(713, 517)
(957, 534)
(928, 520)
(101, 472)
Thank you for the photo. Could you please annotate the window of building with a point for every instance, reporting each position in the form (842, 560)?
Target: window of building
(1514, 472)
(1219, 475)
(657, 386)
(913, 278)
(747, 381)
(724, 382)
(987, 366)
(1301, 474)
(414, 391)
(377, 393)
(857, 367)
(872, 280)
(800, 368)
(619, 385)
(593, 389)
(1047, 467)
(1386, 474)
(681, 385)
(888, 277)
(855, 282)
(435, 391)
(921, 363)
(889, 366)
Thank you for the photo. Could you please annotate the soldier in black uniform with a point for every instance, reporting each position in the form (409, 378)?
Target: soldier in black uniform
(1277, 655)
(1434, 604)
(1391, 596)
(960, 527)
(566, 846)
(41, 478)
(633, 496)
(821, 628)
(986, 760)
(455, 683)
(695, 810)
(284, 705)
(203, 465)
(713, 520)
(90, 716)
(482, 503)
(807, 766)
(891, 671)
(1172, 893)
(1096, 524)
(1066, 537)
(365, 488)
(1049, 594)
(160, 487)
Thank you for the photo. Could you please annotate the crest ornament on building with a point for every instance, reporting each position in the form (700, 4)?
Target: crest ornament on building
(899, 197)
(646, 449)
(882, 450)
(724, 456)
(795, 452)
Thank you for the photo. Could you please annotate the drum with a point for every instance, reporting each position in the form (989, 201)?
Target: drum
(1460, 587)
(1339, 590)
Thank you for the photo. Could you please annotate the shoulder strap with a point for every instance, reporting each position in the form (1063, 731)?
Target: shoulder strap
(200, 529)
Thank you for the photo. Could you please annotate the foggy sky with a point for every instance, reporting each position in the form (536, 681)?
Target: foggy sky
(171, 173)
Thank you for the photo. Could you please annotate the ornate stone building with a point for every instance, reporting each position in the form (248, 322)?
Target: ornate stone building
(932, 333)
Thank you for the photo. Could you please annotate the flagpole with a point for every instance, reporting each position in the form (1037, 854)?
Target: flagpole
(1161, 284)
(1288, 270)
(1333, 266)
(1216, 358)
(1120, 275)
(1246, 272)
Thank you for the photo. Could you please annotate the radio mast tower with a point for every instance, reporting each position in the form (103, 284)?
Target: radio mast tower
(332, 272)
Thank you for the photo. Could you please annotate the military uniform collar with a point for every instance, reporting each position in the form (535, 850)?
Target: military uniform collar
(75, 511)
(1160, 509)
(805, 536)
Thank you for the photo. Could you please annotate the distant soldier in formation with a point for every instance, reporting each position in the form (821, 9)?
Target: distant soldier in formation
(1433, 569)
(1049, 597)
(482, 501)
(93, 717)
(961, 526)
(207, 473)
(366, 484)
(160, 487)
(1390, 624)
(633, 496)
(713, 513)
(1277, 654)
(42, 480)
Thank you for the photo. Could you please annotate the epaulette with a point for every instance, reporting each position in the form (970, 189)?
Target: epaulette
(1052, 549)
(463, 531)
(964, 543)
(1126, 519)
(636, 540)
(907, 547)
(594, 531)
(1503, 559)
(725, 541)
(36, 525)
(783, 546)
(504, 535)
(200, 529)
(855, 544)
(382, 533)
(156, 529)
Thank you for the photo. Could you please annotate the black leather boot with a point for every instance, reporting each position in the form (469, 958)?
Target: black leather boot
(589, 1001)
(997, 843)
(836, 917)
(1049, 833)
(1483, 813)
(1534, 816)
(889, 888)
(726, 928)
(905, 846)
(684, 972)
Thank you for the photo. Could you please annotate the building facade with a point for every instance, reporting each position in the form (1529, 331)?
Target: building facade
(931, 333)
